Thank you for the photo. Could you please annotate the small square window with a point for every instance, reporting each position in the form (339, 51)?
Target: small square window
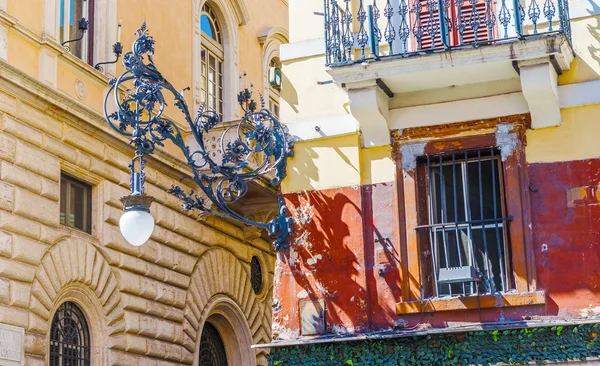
(75, 204)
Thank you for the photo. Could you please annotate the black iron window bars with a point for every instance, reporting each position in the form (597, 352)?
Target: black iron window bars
(467, 227)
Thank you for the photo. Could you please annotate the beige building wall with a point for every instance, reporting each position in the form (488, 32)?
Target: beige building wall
(146, 305)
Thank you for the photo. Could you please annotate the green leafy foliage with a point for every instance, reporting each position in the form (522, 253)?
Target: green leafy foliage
(521, 346)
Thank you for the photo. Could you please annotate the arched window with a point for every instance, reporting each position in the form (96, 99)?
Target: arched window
(212, 349)
(274, 85)
(69, 337)
(212, 61)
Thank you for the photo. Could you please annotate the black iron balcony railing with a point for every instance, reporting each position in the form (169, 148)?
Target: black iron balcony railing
(355, 29)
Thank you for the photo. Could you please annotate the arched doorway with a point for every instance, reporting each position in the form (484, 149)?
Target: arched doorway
(212, 348)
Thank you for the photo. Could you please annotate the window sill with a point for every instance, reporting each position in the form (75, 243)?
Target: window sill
(471, 302)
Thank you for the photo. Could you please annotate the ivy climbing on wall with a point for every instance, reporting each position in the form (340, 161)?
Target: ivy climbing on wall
(521, 346)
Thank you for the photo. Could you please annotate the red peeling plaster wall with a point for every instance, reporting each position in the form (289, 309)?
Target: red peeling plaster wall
(346, 248)
(566, 218)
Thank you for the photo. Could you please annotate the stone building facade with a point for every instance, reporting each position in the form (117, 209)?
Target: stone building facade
(444, 183)
(63, 170)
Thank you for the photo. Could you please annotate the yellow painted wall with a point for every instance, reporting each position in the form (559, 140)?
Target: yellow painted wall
(586, 43)
(29, 13)
(67, 76)
(170, 23)
(323, 163)
(575, 139)
(337, 162)
(27, 58)
(302, 98)
(264, 15)
(377, 165)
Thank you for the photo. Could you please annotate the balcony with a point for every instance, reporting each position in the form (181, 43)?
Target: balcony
(356, 32)
(411, 52)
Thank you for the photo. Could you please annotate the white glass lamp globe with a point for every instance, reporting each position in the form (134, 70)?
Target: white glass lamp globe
(136, 226)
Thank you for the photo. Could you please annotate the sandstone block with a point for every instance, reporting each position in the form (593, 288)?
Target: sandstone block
(19, 294)
(105, 170)
(7, 147)
(4, 291)
(7, 193)
(38, 119)
(83, 160)
(36, 344)
(36, 207)
(31, 360)
(19, 225)
(14, 316)
(8, 104)
(37, 161)
(21, 130)
(5, 244)
(50, 190)
(84, 141)
(27, 250)
(20, 177)
(16, 271)
(59, 148)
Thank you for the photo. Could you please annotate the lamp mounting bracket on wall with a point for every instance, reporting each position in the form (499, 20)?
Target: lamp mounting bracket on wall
(256, 147)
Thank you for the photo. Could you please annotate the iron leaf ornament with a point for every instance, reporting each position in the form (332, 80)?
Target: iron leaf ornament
(260, 144)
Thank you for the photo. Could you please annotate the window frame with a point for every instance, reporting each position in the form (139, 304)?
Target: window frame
(87, 209)
(85, 331)
(212, 47)
(412, 198)
(424, 193)
(274, 92)
(88, 38)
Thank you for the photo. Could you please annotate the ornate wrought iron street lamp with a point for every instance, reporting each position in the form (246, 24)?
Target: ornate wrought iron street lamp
(260, 146)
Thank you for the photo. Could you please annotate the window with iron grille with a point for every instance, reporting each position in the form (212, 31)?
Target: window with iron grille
(212, 349)
(69, 337)
(464, 232)
(75, 204)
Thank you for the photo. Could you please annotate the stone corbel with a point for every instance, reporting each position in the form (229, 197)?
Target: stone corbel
(539, 82)
(369, 106)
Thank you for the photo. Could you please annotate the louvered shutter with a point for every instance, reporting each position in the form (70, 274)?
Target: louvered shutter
(468, 34)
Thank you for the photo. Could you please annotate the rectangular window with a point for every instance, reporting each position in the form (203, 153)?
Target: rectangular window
(464, 231)
(274, 107)
(71, 12)
(75, 204)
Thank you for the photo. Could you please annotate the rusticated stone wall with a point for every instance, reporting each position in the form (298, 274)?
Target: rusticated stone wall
(145, 305)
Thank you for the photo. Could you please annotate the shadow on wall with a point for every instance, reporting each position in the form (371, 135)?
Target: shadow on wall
(594, 48)
(325, 258)
(289, 93)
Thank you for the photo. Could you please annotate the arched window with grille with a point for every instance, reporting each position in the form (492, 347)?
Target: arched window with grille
(212, 55)
(69, 337)
(212, 348)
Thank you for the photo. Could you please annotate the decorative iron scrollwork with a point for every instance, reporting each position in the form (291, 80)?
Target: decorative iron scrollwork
(139, 95)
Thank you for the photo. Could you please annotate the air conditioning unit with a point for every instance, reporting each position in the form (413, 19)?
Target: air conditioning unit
(275, 77)
(457, 275)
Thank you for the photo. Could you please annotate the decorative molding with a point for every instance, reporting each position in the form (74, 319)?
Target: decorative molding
(210, 277)
(73, 261)
(555, 45)
(304, 49)
(539, 82)
(80, 89)
(271, 42)
(370, 106)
